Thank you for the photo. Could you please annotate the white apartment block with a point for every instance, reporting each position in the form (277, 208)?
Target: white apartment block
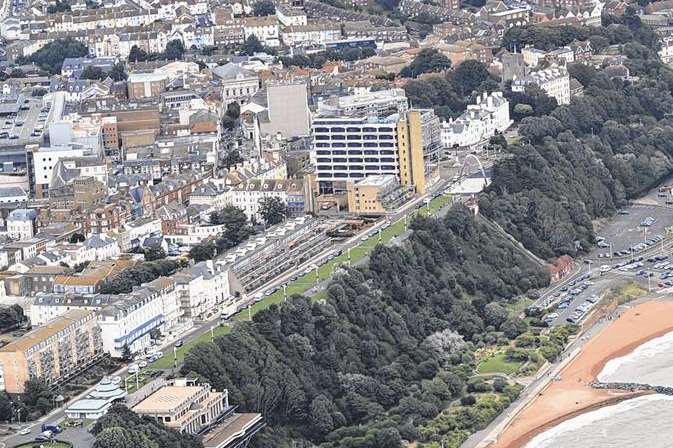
(311, 34)
(202, 289)
(265, 28)
(21, 224)
(554, 80)
(129, 320)
(291, 16)
(93, 19)
(479, 123)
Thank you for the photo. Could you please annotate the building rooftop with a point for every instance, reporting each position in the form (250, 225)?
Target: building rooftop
(46, 331)
(377, 181)
(232, 430)
(166, 399)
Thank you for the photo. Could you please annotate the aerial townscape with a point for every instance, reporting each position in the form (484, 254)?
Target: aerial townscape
(336, 223)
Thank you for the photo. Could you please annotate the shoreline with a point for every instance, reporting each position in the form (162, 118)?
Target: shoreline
(525, 438)
(559, 400)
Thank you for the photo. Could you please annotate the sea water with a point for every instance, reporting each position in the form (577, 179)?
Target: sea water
(650, 363)
(645, 421)
(640, 422)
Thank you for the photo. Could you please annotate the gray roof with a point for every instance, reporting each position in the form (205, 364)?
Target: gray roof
(22, 214)
(231, 71)
(8, 192)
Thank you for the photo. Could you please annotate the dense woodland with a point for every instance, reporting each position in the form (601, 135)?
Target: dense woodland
(584, 160)
(390, 348)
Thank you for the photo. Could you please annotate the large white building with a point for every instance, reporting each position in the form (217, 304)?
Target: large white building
(554, 80)
(129, 320)
(479, 123)
(21, 224)
(203, 289)
(238, 83)
(247, 195)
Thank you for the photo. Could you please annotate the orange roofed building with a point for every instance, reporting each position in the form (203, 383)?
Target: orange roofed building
(560, 267)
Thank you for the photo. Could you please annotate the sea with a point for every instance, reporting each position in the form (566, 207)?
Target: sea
(645, 421)
(640, 422)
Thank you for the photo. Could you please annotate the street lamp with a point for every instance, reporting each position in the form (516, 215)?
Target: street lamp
(285, 292)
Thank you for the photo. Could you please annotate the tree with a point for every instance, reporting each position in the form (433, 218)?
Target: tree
(154, 253)
(495, 314)
(91, 72)
(273, 210)
(264, 8)
(137, 54)
(5, 407)
(117, 437)
(252, 45)
(232, 158)
(429, 60)
(122, 428)
(126, 353)
(118, 72)
(233, 110)
(203, 251)
(50, 57)
(321, 415)
(37, 395)
(77, 237)
(174, 50)
(59, 6)
(468, 400)
(11, 317)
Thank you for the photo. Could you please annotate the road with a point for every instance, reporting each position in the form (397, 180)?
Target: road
(199, 328)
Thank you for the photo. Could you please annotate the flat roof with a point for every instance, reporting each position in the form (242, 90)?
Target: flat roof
(230, 429)
(46, 331)
(376, 181)
(166, 399)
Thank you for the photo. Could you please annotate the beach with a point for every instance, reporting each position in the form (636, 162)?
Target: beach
(572, 395)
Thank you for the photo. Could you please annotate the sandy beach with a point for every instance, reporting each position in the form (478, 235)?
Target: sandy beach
(572, 395)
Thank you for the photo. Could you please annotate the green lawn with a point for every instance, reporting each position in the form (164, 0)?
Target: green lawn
(498, 364)
(307, 281)
(516, 308)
